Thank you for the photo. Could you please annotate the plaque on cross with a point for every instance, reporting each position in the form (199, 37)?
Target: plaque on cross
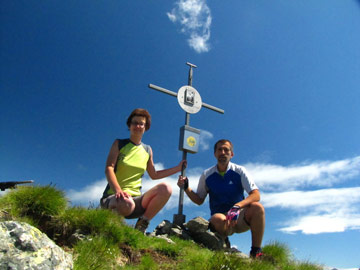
(190, 101)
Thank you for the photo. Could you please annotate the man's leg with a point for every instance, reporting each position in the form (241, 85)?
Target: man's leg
(255, 216)
(218, 221)
(155, 199)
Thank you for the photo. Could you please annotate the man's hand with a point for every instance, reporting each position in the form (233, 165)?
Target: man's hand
(232, 215)
(183, 182)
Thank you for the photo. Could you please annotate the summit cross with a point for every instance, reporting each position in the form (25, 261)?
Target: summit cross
(190, 101)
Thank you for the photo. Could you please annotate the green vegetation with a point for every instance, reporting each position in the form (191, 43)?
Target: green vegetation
(105, 242)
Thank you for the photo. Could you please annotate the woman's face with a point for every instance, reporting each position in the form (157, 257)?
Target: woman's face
(137, 125)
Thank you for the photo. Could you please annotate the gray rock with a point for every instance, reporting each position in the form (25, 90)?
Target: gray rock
(165, 238)
(76, 237)
(209, 240)
(163, 228)
(23, 246)
(197, 225)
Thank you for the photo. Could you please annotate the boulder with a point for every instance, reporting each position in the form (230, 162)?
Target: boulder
(197, 225)
(209, 240)
(23, 246)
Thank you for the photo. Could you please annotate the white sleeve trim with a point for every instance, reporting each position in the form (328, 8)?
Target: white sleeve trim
(246, 179)
(201, 189)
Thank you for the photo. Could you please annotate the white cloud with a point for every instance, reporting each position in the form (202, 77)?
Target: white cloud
(205, 136)
(89, 195)
(319, 211)
(194, 17)
(316, 174)
(312, 211)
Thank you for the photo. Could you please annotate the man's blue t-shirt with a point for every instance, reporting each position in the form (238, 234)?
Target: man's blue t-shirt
(224, 191)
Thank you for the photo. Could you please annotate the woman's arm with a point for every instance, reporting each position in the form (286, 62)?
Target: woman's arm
(154, 174)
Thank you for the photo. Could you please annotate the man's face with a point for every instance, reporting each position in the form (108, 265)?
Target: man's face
(223, 153)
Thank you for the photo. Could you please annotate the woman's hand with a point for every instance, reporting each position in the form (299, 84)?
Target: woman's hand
(121, 195)
(182, 164)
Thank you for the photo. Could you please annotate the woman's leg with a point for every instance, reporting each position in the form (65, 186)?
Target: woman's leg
(155, 199)
(123, 207)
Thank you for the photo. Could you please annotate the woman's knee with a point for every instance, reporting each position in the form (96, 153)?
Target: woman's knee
(125, 206)
(164, 189)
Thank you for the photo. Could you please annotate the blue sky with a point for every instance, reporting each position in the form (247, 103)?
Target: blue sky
(285, 72)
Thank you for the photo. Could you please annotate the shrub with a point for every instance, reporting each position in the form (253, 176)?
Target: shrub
(36, 202)
(277, 253)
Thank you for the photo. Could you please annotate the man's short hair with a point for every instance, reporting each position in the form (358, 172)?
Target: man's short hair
(140, 112)
(222, 141)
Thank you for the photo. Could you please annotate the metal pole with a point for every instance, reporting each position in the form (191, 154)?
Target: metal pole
(183, 173)
(179, 219)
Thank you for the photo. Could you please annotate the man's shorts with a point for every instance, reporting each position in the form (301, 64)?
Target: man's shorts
(138, 211)
(241, 225)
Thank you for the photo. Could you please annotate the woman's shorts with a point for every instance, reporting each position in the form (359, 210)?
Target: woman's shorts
(138, 211)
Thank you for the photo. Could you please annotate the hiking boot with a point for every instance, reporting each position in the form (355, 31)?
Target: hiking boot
(256, 254)
(142, 225)
(227, 242)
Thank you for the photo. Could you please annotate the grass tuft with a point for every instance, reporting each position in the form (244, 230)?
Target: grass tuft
(37, 202)
(277, 253)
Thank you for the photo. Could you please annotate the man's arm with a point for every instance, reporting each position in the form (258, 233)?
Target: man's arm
(254, 196)
(191, 194)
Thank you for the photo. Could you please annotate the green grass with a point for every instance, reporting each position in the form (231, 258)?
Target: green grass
(110, 244)
(95, 253)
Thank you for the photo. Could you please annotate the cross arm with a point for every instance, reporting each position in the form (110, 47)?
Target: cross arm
(213, 108)
(158, 88)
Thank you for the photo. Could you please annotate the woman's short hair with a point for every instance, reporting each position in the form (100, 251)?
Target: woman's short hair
(140, 112)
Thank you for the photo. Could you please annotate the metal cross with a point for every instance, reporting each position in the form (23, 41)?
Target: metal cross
(179, 218)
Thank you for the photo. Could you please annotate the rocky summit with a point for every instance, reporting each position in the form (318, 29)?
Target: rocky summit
(23, 246)
(196, 229)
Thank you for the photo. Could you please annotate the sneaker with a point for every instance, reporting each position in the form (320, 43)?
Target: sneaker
(256, 255)
(142, 225)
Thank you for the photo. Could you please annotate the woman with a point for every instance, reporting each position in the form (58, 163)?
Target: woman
(126, 163)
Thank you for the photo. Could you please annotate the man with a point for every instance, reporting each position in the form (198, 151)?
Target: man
(231, 212)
